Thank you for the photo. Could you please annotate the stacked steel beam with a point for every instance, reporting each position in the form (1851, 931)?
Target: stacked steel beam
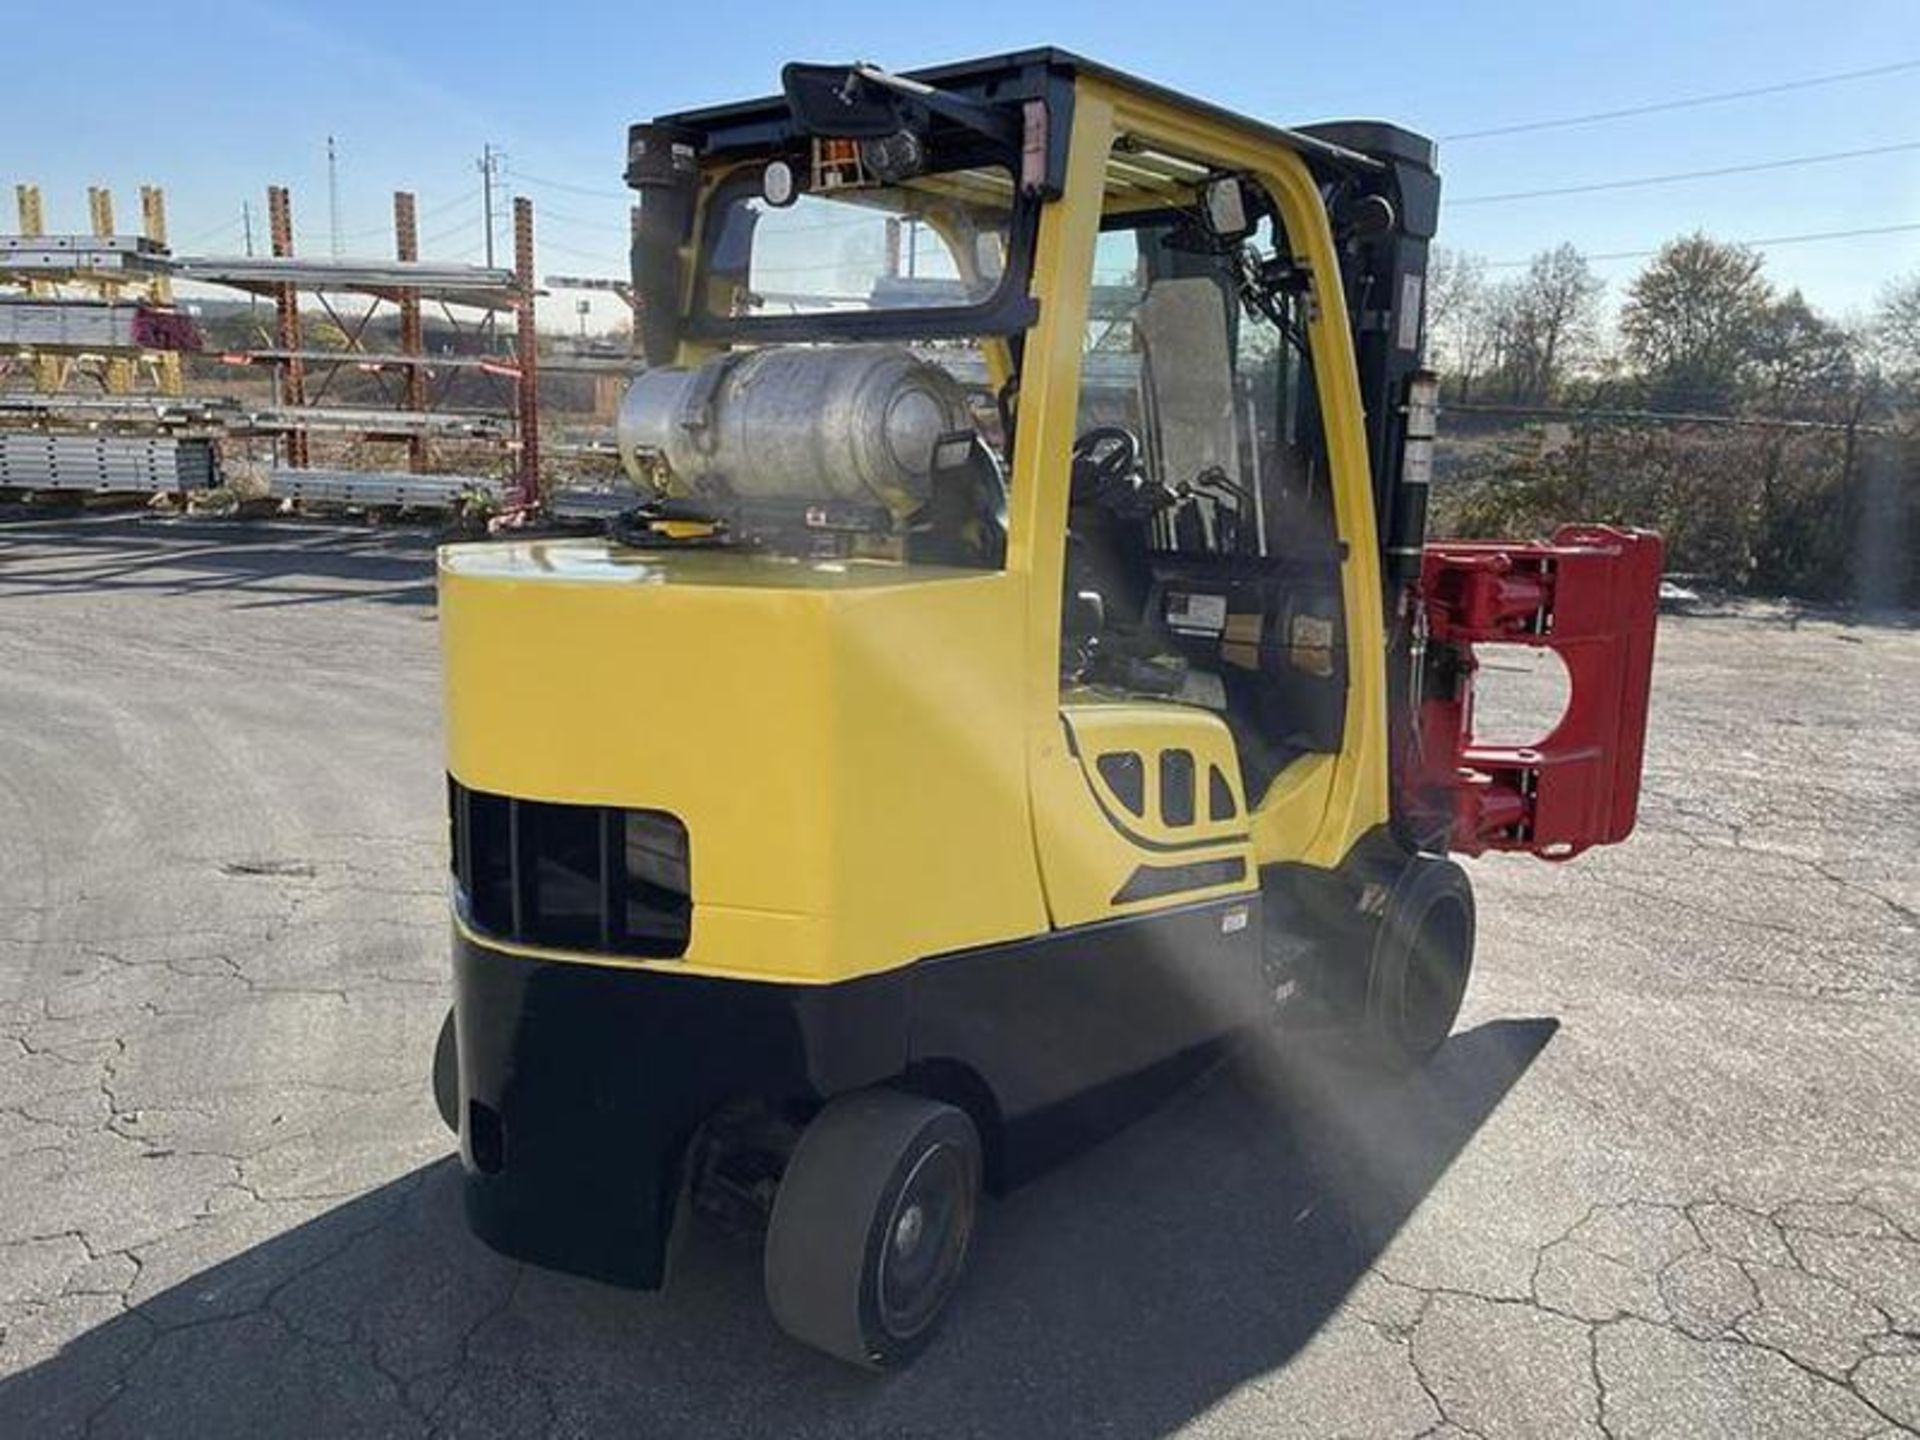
(100, 463)
(94, 325)
(55, 257)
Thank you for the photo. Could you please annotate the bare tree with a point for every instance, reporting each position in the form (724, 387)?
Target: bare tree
(1895, 329)
(1560, 305)
(1543, 325)
(1459, 339)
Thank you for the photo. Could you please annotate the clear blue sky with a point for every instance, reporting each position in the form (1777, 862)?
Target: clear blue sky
(215, 99)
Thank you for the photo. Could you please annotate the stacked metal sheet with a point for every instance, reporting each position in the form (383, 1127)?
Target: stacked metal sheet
(464, 284)
(582, 504)
(229, 417)
(473, 423)
(137, 464)
(378, 487)
(94, 325)
(134, 255)
(173, 410)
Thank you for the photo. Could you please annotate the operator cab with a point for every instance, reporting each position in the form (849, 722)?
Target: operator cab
(848, 380)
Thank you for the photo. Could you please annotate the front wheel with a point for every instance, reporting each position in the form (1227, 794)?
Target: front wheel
(871, 1225)
(1422, 956)
(446, 1074)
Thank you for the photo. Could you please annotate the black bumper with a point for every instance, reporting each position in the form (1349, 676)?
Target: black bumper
(581, 1086)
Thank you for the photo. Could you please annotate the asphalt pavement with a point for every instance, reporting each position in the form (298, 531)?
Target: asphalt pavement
(1664, 1181)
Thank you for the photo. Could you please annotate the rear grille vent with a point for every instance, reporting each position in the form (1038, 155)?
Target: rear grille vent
(576, 877)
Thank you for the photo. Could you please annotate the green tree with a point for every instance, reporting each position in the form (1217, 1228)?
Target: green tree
(1801, 362)
(1692, 321)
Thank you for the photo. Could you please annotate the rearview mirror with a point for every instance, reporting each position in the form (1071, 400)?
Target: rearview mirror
(1227, 208)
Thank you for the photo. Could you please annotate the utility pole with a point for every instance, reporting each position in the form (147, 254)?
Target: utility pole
(333, 197)
(489, 164)
(246, 231)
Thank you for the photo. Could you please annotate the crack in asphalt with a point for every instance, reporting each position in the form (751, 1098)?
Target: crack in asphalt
(1736, 1330)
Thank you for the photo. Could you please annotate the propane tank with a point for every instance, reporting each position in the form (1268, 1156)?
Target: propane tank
(850, 423)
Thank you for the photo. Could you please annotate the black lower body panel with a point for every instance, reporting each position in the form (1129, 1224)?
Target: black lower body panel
(581, 1085)
(1079, 1031)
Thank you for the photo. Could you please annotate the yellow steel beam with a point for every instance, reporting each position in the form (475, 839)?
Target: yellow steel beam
(153, 224)
(100, 211)
(49, 371)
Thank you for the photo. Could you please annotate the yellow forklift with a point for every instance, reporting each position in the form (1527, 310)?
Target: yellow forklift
(1022, 674)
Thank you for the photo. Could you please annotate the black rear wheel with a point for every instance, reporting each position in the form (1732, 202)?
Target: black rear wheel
(871, 1225)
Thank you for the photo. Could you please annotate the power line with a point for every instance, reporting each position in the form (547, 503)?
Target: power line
(601, 255)
(571, 189)
(464, 227)
(385, 227)
(1760, 244)
(467, 198)
(1679, 175)
(468, 217)
(199, 238)
(1597, 116)
(548, 213)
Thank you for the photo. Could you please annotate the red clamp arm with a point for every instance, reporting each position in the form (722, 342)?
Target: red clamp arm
(1592, 597)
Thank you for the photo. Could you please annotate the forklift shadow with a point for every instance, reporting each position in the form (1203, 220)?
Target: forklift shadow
(1126, 1293)
(262, 564)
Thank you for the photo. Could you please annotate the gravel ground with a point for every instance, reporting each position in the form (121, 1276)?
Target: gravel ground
(1664, 1181)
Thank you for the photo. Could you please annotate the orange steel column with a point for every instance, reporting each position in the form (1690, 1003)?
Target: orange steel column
(527, 488)
(406, 246)
(286, 304)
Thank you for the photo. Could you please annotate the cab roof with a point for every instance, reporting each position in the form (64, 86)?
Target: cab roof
(1031, 74)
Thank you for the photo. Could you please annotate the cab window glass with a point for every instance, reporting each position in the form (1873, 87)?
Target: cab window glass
(1202, 550)
(1218, 391)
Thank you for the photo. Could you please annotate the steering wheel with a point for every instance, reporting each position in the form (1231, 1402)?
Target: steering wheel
(1104, 457)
